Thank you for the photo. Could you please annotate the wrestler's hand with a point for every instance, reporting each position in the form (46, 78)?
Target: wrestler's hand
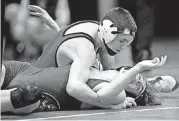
(39, 12)
(152, 64)
(128, 103)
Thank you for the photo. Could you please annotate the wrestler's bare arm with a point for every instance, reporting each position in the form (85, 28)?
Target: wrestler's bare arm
(112, 89)
(39, 12)
(80, 71)
(107, 61)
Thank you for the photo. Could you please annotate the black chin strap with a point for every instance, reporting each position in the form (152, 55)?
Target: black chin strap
(109, 50)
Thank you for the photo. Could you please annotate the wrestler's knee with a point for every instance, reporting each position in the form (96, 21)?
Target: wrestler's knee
(26, 96)
(27, 109)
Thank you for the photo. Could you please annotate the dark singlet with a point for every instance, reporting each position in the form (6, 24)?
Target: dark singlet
(52, 81)
(48, 57)
(13, 68)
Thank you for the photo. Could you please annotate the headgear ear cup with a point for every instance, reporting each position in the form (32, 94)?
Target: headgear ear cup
(105, 30)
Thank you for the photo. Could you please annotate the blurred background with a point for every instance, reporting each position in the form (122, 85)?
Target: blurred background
(24, 36)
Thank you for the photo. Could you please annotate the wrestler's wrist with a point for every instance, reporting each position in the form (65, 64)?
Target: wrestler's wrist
(139, 68)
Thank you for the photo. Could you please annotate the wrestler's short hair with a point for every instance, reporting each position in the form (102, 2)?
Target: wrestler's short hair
(121, 18)
(149, 97)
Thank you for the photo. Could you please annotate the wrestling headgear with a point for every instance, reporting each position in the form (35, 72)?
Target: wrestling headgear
(114, 22)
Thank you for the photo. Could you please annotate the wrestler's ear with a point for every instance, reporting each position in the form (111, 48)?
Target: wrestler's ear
(106, 29)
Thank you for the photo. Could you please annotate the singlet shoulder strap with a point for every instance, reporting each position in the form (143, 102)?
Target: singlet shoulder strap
(78, 34)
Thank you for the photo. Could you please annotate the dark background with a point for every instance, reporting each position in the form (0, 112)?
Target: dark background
(166, 16)
(166, 13)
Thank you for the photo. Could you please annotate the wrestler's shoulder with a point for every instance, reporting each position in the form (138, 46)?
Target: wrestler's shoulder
(86, 26)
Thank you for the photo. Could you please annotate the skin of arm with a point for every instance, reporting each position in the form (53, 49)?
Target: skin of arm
(53, 25)
(116, 86)
(105, 94)
(74, 88)
(79, 74)
(114, 100)
(106, 60)
(108, 93)
(46, 18)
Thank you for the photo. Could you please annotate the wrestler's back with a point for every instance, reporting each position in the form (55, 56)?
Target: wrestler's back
(86, 29)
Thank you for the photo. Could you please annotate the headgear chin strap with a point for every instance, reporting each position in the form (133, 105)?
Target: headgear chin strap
(109, 50)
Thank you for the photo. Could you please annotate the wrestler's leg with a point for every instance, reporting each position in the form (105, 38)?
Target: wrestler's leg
(6, 104)
(21, 100)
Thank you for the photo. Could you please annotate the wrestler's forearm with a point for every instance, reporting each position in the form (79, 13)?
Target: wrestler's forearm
(53, 25)
(83, 93)
(118, 85)
(48, 20)
(115, 102)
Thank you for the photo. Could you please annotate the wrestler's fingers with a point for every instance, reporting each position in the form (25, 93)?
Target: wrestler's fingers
(35, 8)
(36, 14)
(165, 59)
(155, 60)
(129, 105)
(134, 103)
(161, 62)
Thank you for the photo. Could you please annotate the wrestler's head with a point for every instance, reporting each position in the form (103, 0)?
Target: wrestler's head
(138, 84)
(143, 92)
(117, 30)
